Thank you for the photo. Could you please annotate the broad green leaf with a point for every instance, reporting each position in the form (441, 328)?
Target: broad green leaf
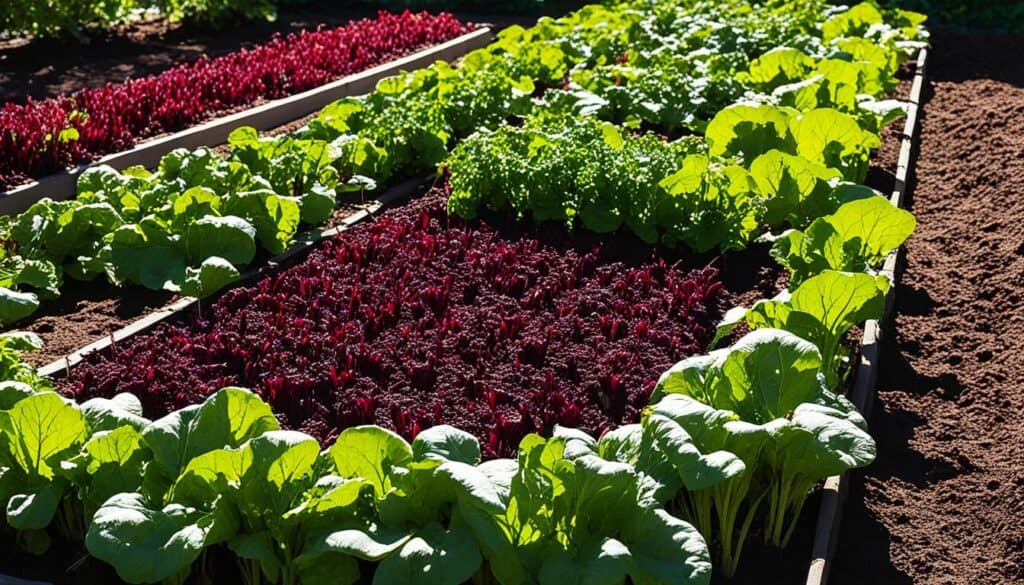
(148, 545)
(779, 66)
(212, 275)
(599, 562)
(282, 469)
(371, 544)
(666, 550)
(112, 464)
(38, 431)
(195, 203)
(446, 443)
(317, 204)
(275, 218)
(370, 453)
(228, 237)
(853, 239)
(35, 510)
(852, 22)
(15, 306)
(769, 372)
(226, 419)
(472, 486)
(697, 470)
(719, 433)
(796, 188)
(821, 442)
(12, 392)
(834, 139)
(433, 556)
(108, 414)
(748, 131)
(21, 340)
(821, 310)
(144, 255)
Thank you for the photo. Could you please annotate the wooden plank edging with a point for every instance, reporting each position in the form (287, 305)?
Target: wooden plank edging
(61, 186)
(837, 487)
(305, 241)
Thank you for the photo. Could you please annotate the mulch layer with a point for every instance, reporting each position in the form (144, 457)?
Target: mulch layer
(944, 501)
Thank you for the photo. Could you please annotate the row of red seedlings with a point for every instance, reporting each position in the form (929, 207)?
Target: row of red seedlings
(418, 319)
(38, 138)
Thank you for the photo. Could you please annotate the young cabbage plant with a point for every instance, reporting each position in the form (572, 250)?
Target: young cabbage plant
(575, 516)
(37, 432)
(714, 455)
(771, 378)
(855, 238)
(410, 518)
(147, 534)
(821, 310)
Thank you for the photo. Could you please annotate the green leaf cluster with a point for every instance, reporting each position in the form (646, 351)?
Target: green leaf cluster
(188, 227)
(856, 238)
(749, 430)
(150, 497)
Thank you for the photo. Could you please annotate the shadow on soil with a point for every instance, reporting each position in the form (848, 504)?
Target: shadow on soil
(965, 55)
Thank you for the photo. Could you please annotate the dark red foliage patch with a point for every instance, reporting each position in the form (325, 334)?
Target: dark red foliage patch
(114, 117)
(419, 319)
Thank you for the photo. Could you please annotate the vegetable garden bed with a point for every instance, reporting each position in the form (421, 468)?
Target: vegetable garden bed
(52, 121)
(652, 444)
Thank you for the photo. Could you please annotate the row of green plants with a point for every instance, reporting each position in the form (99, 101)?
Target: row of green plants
(134, 226)
(730, 447)
(753, 427)
(794, 147)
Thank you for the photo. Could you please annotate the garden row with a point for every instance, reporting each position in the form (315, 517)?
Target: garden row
(423, 309)
(40, 138)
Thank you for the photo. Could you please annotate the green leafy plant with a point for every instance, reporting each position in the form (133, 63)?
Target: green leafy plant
(574, 514)
(796, 431)
(821, 310)
(855, 238)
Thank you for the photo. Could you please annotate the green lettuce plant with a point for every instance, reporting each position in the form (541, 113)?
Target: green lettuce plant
(822, 309)
(770, 379)
(855, 238)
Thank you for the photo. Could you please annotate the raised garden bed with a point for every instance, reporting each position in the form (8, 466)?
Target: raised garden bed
(458, 323)
(269, 114)
(417, 319)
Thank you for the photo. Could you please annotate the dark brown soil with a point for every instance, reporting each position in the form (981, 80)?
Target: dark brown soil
(943, 503)
(86, 312)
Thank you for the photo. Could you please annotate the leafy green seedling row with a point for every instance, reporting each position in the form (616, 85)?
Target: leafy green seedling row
(795, 148)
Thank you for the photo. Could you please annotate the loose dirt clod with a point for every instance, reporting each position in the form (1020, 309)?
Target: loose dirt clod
(944, 502)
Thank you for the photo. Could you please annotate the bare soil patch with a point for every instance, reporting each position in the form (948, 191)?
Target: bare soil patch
(943, 502)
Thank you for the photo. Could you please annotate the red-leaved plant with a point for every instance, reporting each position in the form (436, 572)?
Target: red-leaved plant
(418, 319)
(39, 137)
